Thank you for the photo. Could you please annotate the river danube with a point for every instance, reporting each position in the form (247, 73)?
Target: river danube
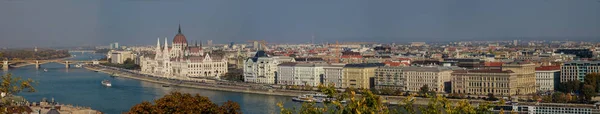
(81, 87)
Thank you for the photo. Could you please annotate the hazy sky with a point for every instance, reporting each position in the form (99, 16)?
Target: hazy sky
(27, 23)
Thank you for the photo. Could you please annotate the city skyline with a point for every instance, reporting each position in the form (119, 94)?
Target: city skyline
(138, 22)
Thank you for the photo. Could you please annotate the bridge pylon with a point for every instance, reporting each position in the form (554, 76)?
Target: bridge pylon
(4, 64)
(37, 64)
(67, 64)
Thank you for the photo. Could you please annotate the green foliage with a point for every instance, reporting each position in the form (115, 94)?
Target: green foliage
(14, 85)
(42, 54)
(484, 108)
(592, 79)
(179, 103)
(408, 104)
(491, 97)
(234, 75)
(370, 103)
(435, 106)
(559, 97)
(588, 91)
(425, 91)
(127, 64)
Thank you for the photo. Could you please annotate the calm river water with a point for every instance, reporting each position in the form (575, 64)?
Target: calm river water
(82, 87)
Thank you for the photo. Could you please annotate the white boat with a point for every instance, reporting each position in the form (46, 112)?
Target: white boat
(106, 83)
(78, 65)
(303, 98)
(45, 70)
(319, 95)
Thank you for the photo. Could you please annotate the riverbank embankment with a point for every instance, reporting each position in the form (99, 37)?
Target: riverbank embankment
(196, 83)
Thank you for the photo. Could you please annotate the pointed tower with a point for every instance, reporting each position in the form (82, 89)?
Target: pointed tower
(179, 31)
(166, 49)
(157, 51)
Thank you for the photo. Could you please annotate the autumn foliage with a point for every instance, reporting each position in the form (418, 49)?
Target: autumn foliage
(184, 103)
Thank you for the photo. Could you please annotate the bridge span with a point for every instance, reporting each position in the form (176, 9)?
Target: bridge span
(38, 63)
(82, 51)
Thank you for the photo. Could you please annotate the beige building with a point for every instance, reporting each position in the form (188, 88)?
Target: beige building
(482, 82)
(358, 75)
(513, 79)
(389, 77)
(119, 57)
(436, 78)
(525, 76)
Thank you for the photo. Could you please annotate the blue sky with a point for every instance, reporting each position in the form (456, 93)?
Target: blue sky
(43, 23)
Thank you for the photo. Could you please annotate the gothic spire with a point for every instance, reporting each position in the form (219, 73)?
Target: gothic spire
(179, 31)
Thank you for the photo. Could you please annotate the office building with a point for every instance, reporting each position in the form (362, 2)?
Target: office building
(576, 70)
(547, 77)
(359, 76)
(437, 78)
(334, 74)
(390, 78)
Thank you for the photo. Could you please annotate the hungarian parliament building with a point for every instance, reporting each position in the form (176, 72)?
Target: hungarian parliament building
(183, 61)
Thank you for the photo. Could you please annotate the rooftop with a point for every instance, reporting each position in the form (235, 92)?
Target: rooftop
(484, 71)
(365, 65)
(547, 68)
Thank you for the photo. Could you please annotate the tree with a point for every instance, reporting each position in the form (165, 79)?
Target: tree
(14, 85)
(179, 103)
(128, 61)
(368, 103)
(424, 90)
(592, 79)
(547, 99)
(408, 104)
(233, 75)
(571, 86)
(559, 97)
(588, 92)
(484, 108)
(491, 97)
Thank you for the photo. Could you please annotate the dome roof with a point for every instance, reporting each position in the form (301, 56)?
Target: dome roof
(179, 38)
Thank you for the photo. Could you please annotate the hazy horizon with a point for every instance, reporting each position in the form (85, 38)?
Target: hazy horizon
(29, 23)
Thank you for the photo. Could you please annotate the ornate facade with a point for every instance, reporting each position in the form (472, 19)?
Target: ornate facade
(182, 61)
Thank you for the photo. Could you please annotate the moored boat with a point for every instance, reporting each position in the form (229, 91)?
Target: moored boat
(303, 98)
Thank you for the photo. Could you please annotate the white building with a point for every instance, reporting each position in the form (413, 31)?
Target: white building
(546, 77)
(183, 61)
(300, 74)
(118, 57)
(333, 74)
(261, 68)
(285, 74)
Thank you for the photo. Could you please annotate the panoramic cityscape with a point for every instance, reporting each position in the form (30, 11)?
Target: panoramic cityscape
(300, 57)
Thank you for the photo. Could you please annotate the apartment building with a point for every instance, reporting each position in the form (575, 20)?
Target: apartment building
(334, 74)
(300, 74)
(547, 77)
(261, 68)
(515, 78)
(390, 78)
(576, 70)
(359, 75)
(437, 78)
